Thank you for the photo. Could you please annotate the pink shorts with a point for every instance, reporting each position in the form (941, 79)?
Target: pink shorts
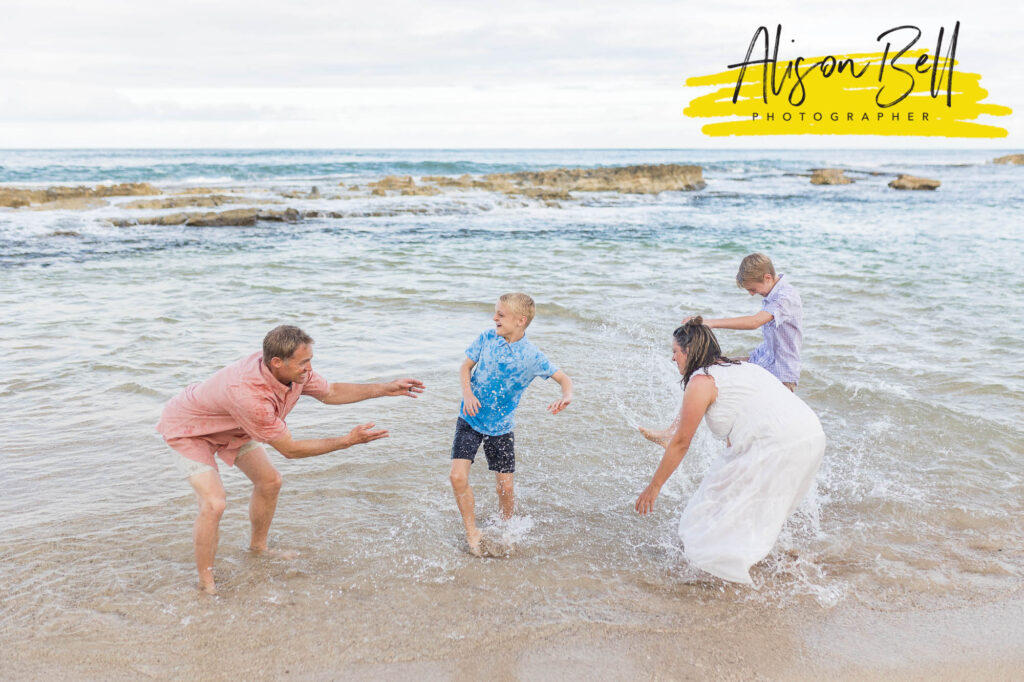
(190, 467)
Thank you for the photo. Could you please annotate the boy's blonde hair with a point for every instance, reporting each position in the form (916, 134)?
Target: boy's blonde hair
(521, 304)
(753, 268)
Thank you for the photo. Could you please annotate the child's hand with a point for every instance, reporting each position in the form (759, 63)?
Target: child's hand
(559, 405)
(660, 437)
(685, 320)
(470, 404)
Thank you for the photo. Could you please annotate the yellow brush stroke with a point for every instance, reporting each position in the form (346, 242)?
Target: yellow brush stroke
(846, 96)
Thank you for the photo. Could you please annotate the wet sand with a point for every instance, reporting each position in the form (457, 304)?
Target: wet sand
(449, 632)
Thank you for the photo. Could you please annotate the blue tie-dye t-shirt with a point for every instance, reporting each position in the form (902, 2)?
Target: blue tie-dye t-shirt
(503, 371)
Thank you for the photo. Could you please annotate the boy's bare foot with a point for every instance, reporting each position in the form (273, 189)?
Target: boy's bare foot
(207, 588)
(490, 547)
(660, 437)
(474, 539)
(275, 553)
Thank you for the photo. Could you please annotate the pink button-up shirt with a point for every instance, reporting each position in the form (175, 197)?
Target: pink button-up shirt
(241, 402)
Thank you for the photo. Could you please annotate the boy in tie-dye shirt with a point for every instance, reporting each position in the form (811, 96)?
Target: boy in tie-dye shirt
(499, 365)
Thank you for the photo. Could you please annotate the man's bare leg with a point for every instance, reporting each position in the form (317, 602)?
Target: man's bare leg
(206, 531)
(266, 484)
(506, 495)
(464, 499)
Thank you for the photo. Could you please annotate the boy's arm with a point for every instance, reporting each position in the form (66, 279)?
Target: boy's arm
(470, 403)
(744, 322)
(566, 383)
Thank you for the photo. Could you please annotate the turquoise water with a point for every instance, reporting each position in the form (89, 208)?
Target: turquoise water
(913, 357)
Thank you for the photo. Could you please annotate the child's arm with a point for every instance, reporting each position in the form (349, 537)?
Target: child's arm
(566, 383)
(470, 404)
(744, 322)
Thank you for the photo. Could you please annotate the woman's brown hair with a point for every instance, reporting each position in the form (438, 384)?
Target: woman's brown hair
(701, 346)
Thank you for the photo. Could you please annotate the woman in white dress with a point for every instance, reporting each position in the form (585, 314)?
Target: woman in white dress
(774, 445)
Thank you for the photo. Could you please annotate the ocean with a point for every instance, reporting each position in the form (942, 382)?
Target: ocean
(913, 360)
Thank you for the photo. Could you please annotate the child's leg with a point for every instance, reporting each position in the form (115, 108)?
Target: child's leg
(464, 446)
(501, 459)
(506, 495)
(464, 499)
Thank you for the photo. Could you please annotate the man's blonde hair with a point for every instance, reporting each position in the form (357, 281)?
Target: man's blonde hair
(753, 268)
(521, 304)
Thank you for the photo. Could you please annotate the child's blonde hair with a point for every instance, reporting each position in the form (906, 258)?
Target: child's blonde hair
(753, 268)
(521, 304)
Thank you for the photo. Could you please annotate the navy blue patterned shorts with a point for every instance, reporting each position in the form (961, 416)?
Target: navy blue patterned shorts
(499, 450)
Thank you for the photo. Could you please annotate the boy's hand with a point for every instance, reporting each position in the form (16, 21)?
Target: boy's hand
(470, 405)
(559, 405)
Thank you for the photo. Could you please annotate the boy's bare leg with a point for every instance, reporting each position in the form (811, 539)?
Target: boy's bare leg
(791, 385)
(206, 531)
(506, 495)
(464, 499)
(266, 484)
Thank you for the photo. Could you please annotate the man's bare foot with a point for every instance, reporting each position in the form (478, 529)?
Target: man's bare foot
(207, 588)
(660, 437)
(276, 553)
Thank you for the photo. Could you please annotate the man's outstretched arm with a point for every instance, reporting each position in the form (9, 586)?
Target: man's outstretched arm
(311, 447)
(341, 394)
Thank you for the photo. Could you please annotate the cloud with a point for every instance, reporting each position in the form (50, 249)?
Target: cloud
(595, 73)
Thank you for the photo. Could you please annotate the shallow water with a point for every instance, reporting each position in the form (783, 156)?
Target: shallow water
(912, 359)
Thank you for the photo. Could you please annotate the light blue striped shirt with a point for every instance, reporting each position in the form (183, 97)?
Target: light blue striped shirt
(779, 353)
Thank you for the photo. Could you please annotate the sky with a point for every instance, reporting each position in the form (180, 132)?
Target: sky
(447, 74)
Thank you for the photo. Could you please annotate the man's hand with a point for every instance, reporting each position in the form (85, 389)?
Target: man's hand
(559, 405)
(364, 433)
(406, 387)
(470, 404)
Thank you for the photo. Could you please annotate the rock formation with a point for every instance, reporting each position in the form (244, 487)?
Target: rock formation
(1013, 159)
(16, 198)
(645, 179)
(829, 176)
(913, 182)
(239, 217)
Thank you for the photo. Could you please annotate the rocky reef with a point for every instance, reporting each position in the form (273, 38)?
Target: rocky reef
(157, 207)
(16, 198)
(1012, 159)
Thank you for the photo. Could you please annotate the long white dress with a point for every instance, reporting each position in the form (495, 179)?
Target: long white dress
(776, 446)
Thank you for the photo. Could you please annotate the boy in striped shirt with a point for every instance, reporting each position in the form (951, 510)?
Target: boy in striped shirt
(780, 319)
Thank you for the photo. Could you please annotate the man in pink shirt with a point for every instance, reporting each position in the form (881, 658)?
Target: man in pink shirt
(243, 405)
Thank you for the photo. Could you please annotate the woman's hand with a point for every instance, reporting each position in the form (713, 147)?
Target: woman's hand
(645, 503)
